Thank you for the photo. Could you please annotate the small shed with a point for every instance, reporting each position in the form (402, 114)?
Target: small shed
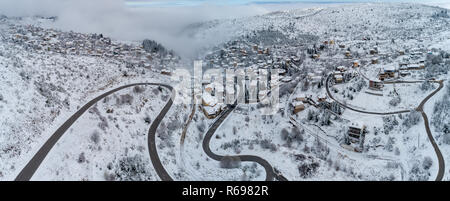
(298, 107)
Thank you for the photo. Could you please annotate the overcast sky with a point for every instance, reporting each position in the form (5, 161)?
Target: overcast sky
(174, 3)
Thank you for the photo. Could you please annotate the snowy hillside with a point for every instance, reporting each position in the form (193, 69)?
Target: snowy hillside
(46, 77)
(363, 96)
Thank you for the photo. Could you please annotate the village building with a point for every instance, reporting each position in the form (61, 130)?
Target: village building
(302, 98)
(321, 97)
(298, 107)
(209, 88)
(341, 68)
(208, 99)
(337, 73)
(255, 48)
(316, 79)
(374, 61)
(348, 54)
(282, 71)
(416, 51)
(166, 72)
(403, 66)
(382, 76)
(413, 67)
(338, 78)
(212, 112)
(389, 70)
(404, 73)
(356, 132)
(375, 85)
(356, 63)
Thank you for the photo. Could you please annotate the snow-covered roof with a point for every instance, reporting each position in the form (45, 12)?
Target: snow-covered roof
(413, 65)
(297, 103)
(389, 68)
(209, 99)
(214, 109)
(209, 87)
(357, 124)
(322, 96)
(302, 95)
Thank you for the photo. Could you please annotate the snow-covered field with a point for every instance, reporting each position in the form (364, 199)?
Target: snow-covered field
(99, 145)
(40, 91)
(41, 87)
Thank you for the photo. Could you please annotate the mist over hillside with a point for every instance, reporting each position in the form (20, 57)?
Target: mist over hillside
(170, 26)
(359, 92)
(113, 18)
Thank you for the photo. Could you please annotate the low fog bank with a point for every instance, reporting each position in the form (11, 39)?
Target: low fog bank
(170, 26)
(115, 19)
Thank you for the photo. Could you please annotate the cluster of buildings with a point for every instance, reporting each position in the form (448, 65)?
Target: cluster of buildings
(96, 45)
(404, 62)
(342, 74)
(412, 60)
(248, 85)
(248, 58)
(320, 100)
(239, 54)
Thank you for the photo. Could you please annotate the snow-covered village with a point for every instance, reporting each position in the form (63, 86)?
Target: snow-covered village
(361, 92)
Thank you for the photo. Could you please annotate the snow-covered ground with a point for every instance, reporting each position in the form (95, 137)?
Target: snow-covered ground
(42, 88)
(410, 95)
(40, 91)
(99, 144)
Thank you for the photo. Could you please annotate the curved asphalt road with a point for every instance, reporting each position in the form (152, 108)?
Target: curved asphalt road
(441, 161)
(159, 168)
(357, 110)
(31, 167)
(270, 172)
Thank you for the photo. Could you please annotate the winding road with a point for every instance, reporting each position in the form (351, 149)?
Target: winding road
(270, 172)
(441, 161)
(358, 110)
(153, 152)
(31, 167)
